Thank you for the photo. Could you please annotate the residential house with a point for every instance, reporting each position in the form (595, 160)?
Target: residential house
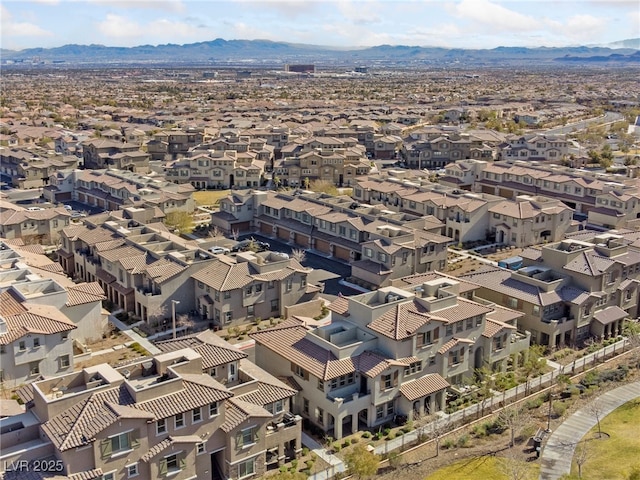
(105, 153)
(570, 290)
(529, 221)
(34, 340)
(157, 418)
(534, 146)
(41, 226)
(116, 189)
(388, 353)
(233, 291)
(29, 168)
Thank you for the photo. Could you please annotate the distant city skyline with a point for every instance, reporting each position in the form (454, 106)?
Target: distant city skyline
(470, 24)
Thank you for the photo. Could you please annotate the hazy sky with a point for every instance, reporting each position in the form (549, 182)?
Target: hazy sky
(461, 23)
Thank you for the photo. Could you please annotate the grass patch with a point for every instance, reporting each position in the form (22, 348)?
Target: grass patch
(613, 458)
(478, 467)
(209, 197)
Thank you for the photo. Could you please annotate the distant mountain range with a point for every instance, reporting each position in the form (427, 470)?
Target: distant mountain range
(253, 53)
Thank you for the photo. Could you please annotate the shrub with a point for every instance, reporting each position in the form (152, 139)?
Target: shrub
(366, 435)
(559, 408)
(337, 447)
(463, 441)
(448, 443)
(346, 443)
(534, 403)
(305, 451)
(309, 464)
(386, 431)
(294, 464)
(355, 440)
(480, 430)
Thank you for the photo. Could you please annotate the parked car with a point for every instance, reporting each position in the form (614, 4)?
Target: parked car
(218, 250)
(34, 209)
(245, 245)
(68, 207)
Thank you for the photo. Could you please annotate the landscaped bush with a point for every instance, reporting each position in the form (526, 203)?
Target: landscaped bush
(559, 408)
(305, 451)
(463, 441)
(448, 443)
(366, 435)
(534, 403)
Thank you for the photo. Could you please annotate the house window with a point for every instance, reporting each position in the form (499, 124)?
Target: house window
(213, 372)
(22, 346)
(250, 310)
(454, 357)
(379, 412)
(342, 381)
(132, 470)
(200, 448)
(275, 407)
(227, 294)
(389, 408)
(36, 342)
(258, 287)
(34, 368)
(64, 335)
(512, 302)
(196, 415)
(249, 290)
(432, 360)
(478, 320)
(270, 284)
(64, 361)
(109, 476)
(469, 323)
(289, 284)
(536, 310)
(227, 317)
(246, 437)
(424, 338)
(305, 406)
(275, 305)
(299, 371)
(412, 368)
(320, 385)
(171, 464)
(161, 426)
(246, 468)
(213, 409)
(459, 326)
(449, 330)
(118, 443)
(386, 381)
(179, 420)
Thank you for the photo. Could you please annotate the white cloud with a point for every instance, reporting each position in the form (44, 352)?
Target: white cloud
(585, 27)
(12, 28)
(493, 16)
(119, 27)
(164, 5)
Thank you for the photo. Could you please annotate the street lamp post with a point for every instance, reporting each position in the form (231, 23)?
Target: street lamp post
(173, 315)
(549, 416)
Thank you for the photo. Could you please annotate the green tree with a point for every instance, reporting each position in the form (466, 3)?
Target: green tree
(361, 462)
(180, 221)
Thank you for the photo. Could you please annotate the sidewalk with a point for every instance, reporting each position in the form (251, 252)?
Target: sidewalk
(557, 454)
(126, 329)
(336, 465)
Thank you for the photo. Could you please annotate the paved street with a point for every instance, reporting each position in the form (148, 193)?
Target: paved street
(558, 452)
(608, 117)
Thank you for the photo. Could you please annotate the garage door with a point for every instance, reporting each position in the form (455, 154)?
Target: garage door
(242, 226)
(341, 253)
(505, 193)
(266, 229)
(323, 246)
(302, 240)
(283, 234)
(488, 189)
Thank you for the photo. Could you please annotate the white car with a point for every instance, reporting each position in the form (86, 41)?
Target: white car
(34, 209)
(218, 250)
